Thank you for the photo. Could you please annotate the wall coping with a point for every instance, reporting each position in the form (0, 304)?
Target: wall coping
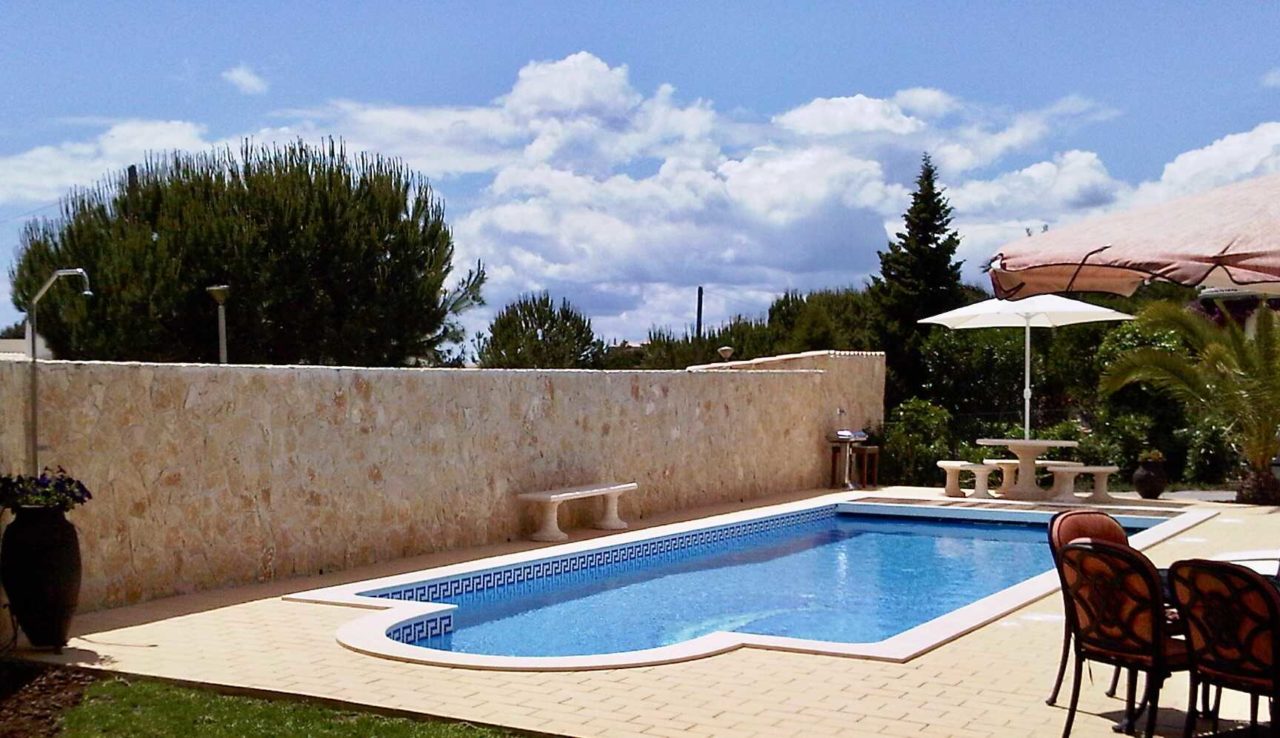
(779, 359)
(9, 358)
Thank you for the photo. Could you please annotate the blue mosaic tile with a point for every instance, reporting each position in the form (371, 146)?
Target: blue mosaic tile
(638, 553)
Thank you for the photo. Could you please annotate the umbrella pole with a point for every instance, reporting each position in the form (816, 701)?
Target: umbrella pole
(1026, 382)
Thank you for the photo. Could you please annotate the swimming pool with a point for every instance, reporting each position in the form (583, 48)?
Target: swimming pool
(844, 577)
(883, 581)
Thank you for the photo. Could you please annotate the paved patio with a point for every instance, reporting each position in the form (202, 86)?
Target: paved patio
(991, 682)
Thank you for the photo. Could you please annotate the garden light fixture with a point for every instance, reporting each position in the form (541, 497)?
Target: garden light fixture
(33, 444)
(219, 293)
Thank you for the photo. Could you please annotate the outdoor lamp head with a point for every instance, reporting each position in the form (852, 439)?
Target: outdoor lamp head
(77, 272)
(219, 292)
(85, 276)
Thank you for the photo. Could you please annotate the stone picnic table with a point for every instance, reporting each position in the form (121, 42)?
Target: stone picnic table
(1026, 450)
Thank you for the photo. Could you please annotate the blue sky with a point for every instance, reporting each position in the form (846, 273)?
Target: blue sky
(620, 154)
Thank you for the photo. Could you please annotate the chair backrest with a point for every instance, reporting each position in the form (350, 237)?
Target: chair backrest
(1115, 604)
(1069, 525)
(1233, 621)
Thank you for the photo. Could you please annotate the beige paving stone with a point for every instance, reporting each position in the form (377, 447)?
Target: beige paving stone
(668, 732)
(666, 720)
(991, 682)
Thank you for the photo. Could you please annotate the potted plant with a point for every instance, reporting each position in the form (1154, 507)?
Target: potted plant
(1150, 478)
(40, 553)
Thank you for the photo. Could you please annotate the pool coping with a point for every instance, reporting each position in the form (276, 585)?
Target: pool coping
(370, 634)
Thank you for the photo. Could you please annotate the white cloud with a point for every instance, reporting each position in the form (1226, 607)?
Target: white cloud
(597, 183)
(836, 116)
(1073, 180)
(624, 200)
(46, 172)
(439, 142)
(927, 102)
(1076, 185)
(1230, 158)
(244, 79)
(578, 85)
(1271, 78)
(990, 213)
(980, 145)
(780, 186)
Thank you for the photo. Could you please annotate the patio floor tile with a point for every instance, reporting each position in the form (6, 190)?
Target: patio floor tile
(991, 682)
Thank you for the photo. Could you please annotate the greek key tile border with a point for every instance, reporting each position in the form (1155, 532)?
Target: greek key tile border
(435, 590)
(420, 628)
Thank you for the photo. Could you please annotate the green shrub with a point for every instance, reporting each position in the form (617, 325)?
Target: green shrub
(1210, 457)
(1066, 430)
(915, 438)
(1117, 438)
(973, 374)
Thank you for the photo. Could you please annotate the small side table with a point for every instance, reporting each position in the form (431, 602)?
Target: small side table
(845, 458)
(870, 457)
(841, 459)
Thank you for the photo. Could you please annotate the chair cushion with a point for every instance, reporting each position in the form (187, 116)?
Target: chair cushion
(1175, 655)
(1240, 681)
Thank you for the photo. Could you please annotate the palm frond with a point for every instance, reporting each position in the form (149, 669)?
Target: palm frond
(1192, 329)
(1159, 368)
(1231, 374)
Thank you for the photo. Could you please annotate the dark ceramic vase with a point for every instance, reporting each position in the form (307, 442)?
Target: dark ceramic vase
(40, 570)
(1150, 479)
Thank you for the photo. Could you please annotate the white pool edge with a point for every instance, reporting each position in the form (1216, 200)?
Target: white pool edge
(368, 634)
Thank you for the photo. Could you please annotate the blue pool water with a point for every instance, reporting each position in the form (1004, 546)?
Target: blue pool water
(847, 578)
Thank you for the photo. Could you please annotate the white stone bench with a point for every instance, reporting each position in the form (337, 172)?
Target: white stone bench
(550, 505)
(953, 469)
(1009, 469)
(1064, 482)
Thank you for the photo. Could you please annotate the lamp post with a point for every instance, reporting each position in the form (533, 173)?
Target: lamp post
(219, 293)
(33, 442)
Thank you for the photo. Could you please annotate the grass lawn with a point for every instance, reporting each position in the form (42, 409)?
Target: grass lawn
(119, 707)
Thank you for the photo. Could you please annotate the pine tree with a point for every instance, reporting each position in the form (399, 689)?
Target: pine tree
(532, 333)
(331, 259)
(918, 277)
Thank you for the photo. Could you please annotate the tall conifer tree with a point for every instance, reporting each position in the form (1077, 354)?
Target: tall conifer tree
(919, 277)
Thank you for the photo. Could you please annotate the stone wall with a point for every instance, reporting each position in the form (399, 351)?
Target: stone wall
(854, 379)
(206, 476)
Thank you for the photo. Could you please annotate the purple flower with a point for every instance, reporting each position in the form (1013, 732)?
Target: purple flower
(51, 489)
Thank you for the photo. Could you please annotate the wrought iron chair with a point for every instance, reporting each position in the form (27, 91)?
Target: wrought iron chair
(1117, 616)
(1064, 528)
(1232, 615)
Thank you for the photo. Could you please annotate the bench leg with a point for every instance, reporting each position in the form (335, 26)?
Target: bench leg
(550, 530)
(609, 519)
(1100, 493)
(980, 486)
(1007, 472)
(952, 487)
(1064, 486)
(847, 461)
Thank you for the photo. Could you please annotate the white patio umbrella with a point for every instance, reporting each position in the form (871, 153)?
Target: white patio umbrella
(1041, 311)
